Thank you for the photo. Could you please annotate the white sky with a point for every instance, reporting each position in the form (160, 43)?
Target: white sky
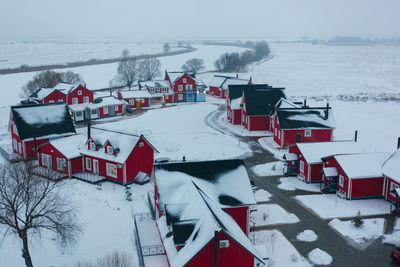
(178, 19)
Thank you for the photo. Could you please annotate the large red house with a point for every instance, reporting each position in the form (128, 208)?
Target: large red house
(305, 159)
(34, 125)
(355, 176)
(184, 85)
(220, 83)
(159, 90)
(258, 106)
(304, 124)
(117, 156)
(202, 213)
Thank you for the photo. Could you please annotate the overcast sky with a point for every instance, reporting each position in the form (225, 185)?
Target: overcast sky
(131, 20)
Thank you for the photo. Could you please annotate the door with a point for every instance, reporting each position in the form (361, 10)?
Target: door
(298, 138)
(111, 110)
(95, 166)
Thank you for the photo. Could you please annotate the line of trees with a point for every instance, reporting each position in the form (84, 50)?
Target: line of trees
(234, 62)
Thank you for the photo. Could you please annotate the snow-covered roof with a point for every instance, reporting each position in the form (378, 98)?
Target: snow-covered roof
(314, 152)
(217, 81)
(68, 87)
(305, 118)
(68, 146)
(284, 103)
(98, 103)
(330, 172)
(363, 165)
(236, 103)
(43, 120)
(194, 215)
(175, 75)
(42, 93)
(156, 84)
(234, 81)
(124, 142)
(290, 156)
(391, 167)
(135, 94)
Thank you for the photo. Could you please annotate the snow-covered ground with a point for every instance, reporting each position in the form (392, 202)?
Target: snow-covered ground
(268, 169)
(370, 230)
(181, 131)
(262, 195)
(15, 54)
(280, 251)
(106, 218)
(270, 214)
(330, 206)
(319, 257)
(269, 145)
(293, 183)
(393, 238)
(307, 236)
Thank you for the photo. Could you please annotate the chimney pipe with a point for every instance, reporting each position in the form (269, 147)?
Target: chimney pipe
(355, 136)
(237, 75)
(305, 102)
(251, 79)
(398, 143)
(88, 130)
(327, 111)
(183, 158)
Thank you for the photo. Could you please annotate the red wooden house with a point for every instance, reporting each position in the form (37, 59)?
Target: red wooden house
(202, 213)
(119, 157)
(391, 172)
(220, 83)
(184, 85)
(355, 176)
(48, 95)
(305, 159)
(135, 98)
(33, 125)
(159, 90)
(258, 106)
(305, 124)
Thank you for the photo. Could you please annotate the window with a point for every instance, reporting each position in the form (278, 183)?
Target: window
(184, 80)
(276, 132)
(79, 92)
(92, 146)
(279, 135)
(88, 164)
(60, 164)
(105, 110)
(60, 101)
(44, 160)
(74, 100)
(85, 99)
(187, 86)
(341, 180)
(109, 150)
(141, 144)
(164, 90)
(301, 166)
(393, 187)
(152, 90)
(131, 101)
(51, 101)
(180, 87)
(93, 111)
(180, 97)
(166, 97)
(111, 170)
(116, 108)
(307, 133)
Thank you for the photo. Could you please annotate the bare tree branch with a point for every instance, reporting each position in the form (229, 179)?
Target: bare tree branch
(149, 69)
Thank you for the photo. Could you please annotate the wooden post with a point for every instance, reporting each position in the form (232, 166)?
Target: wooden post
(398, 143)
(355, 136)
(216, 247)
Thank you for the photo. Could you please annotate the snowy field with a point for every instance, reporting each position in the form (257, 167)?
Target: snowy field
(15, 54)
(330, 206)
(106, 218)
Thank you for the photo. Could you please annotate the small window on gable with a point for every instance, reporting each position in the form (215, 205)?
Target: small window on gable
(307, 133)
(141, 144)
(184, 80)
(79, 92)
(92, 146)
(109, 150)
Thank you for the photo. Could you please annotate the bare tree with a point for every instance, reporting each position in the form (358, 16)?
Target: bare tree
(149, 68)
(116, 259)
(49, 79)
(193, 65)
(127, 73)
(125, 53)
(167, 47)
(30, 204)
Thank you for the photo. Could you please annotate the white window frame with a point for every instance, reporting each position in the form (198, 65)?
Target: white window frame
(276, 132)
(180, 97)
(44, 159)
(88, 164)
(60, 164)
(110, 168)
(341, 180)
(184, 80)
(51, 101)
(105, 110)
(180, 87)
(187, 86)
(164, 90)
(307, 133)
(131, 101)
(151, 90)
(60, 101)
(85, 99)
(301, 166)
(141, 144)
(279, 135)
(110, 150)
(116, 108)
(79, 92)
(393, 186)
(74, 100)
(92, 146)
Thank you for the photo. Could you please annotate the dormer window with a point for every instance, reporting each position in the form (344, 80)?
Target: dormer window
(109, 150)
(92, 146)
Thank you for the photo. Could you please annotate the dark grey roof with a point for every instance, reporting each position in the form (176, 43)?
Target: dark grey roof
(183, 230)
(301, 118)
(42, 120)
(236, 91)
(262, 101)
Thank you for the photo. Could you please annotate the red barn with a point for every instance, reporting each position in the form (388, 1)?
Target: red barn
(135, 98)
(258, 105)
(305, 159)
(357, 176)
(119, 157)
(34, 125)
(220, 83)
(391, 172)
(159, 90)
(48, 95)
(202, 213)
(102, 107)
(305, 124)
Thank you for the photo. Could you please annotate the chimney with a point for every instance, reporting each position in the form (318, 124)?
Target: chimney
(183, 158)
(88, 130)
(305, 102)
(327, 111)
(398, 143)
(237, 75)
(251, 79)
(355, 136)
